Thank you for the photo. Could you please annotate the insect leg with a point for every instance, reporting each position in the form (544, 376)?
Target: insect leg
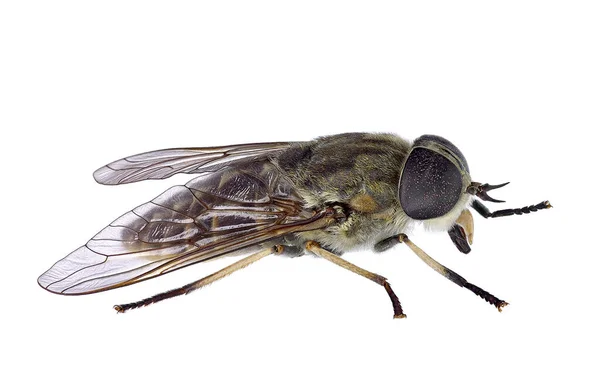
(186, 289)
(315, 248)
(486, 213)
(452, 276)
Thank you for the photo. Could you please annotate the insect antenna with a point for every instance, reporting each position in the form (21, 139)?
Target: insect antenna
(481, 190)
(486, 213)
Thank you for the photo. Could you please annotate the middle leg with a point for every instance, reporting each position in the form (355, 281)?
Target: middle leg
(315, 248)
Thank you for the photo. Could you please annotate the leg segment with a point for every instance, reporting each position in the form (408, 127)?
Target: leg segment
(451, 275)
(315, 248)
(186, 289)
(483, 210)
(388, 243)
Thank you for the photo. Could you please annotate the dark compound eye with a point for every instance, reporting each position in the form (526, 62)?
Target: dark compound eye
(430, 185)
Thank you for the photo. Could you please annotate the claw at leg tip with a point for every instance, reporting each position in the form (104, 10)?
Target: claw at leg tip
(400, 316)
(502, 305)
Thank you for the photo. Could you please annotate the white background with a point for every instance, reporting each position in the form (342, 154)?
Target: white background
(514, 84)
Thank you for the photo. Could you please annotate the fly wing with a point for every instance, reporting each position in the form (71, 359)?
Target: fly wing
(165, 163)
(212, 215)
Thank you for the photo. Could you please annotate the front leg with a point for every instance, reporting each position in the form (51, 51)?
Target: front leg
(390, 242)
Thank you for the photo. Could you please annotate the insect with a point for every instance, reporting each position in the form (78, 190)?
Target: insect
(326, 197)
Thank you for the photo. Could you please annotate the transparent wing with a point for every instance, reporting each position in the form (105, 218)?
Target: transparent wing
(212, 215)
(165, 163)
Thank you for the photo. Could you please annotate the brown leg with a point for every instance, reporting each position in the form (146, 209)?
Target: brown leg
(452, 276)
(315, 248)
(121, 308)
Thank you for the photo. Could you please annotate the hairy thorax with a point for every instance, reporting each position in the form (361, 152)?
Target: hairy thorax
(356, 173)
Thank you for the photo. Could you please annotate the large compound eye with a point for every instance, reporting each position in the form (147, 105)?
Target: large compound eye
(430, 186)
